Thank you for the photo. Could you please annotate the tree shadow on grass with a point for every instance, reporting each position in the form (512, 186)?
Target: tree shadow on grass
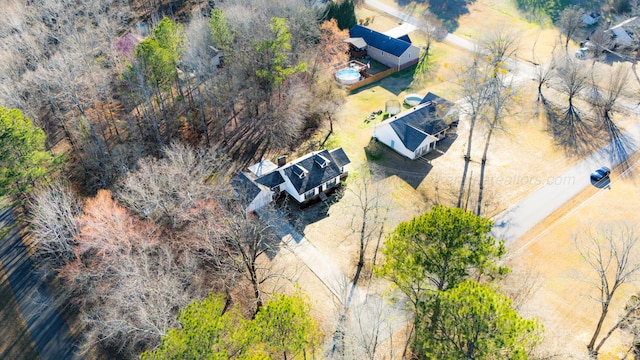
(384, 162)
(573, 132)
(448, 11)
(621, 148)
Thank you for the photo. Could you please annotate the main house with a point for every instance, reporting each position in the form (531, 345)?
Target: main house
(415, 132)
(303, 179)
(390, 51)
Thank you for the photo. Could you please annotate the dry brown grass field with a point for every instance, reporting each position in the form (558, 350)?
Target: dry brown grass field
(561, 301)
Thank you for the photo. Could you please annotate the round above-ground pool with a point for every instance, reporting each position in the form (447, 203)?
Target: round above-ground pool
(348, 76)
(412, 99)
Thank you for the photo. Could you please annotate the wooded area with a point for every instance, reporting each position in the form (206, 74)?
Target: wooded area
(123, 122)
(141, 114)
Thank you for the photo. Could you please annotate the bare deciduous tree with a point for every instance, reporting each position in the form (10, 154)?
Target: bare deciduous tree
(604, 100)
(433, 30)
(500, 45)
(473, 80)
(501, 102)
(570, 22)
(249, 241)
(613, 254)
(163, 190)
(54, 210)
(127, 284)
(476, 82)
(369, 325)
(544, 71)
(572, 79)
(630, 323)
(369, 212)
(600, 42)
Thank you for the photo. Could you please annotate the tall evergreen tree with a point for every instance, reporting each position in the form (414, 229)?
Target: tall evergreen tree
(23, 157)
(344, 12)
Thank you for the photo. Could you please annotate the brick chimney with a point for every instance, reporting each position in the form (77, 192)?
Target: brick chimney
(282, 160)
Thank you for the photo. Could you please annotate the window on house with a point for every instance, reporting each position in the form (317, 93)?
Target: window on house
(329, 184)
(309, 194)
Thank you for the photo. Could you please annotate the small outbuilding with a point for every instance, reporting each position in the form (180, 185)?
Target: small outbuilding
(392, 107)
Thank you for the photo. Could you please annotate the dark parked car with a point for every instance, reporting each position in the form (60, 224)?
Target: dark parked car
(600, 174)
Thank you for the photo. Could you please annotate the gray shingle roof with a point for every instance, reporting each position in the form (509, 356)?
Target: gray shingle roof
(316, 175)
(270, 180)
(431, 97)
(245, 187)
(380, 41)
(340, 157)
(412, 128)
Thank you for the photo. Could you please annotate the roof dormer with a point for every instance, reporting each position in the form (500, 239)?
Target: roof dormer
(321, 161)
(299, 171)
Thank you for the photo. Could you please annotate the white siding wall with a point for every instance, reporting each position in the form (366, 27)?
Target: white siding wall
(385, 134)
(263, 198)
(382, 56)
(409, 55)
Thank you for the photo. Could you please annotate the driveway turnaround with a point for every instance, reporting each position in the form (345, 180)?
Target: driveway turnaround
(48, 331)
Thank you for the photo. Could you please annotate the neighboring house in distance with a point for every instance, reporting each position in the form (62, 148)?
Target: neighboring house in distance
(415, 132)
(590, 18)
(304, 179)
(622, 33)
(385, 49)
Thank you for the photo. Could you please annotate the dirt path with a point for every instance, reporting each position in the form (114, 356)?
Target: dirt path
(48, 331)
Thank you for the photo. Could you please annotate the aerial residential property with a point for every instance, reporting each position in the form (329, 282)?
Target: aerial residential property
(416, 132)
(303, 179)
(339, 180)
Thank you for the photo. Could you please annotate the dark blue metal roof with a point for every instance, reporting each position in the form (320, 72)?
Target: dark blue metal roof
(405, 38)
(380, 41)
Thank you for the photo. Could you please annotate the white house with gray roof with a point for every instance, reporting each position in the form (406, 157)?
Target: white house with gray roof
(415, 132)
(303, 179)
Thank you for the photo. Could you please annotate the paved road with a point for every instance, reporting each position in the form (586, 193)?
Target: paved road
(554, 191)
(48, 331)
(450, 38)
